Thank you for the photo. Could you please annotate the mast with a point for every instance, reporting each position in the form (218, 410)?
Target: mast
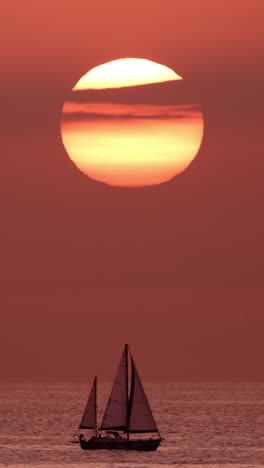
(95, 408)
(127, 390)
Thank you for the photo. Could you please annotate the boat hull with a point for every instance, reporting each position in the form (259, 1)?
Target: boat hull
(97, 443)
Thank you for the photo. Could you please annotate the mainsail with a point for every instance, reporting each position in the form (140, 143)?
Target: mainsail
(89, 416)
(140, 415)
(115, 416)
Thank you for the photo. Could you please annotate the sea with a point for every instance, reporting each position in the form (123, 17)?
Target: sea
(205, 425)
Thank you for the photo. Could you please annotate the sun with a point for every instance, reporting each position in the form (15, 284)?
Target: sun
(125, 125)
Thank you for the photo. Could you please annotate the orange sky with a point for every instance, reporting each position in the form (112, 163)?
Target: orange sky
(177, 269)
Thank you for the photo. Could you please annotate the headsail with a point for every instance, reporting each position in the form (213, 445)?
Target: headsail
(115, 416)
(140, 414)
(89, 416)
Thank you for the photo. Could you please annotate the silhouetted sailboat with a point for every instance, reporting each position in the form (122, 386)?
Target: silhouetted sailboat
(126, 411)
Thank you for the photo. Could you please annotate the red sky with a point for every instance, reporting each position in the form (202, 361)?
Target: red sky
(176, 270)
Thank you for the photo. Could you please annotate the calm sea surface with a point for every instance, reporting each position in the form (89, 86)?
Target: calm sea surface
(207, 425)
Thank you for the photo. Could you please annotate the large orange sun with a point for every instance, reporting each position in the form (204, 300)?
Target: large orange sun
(125, 124)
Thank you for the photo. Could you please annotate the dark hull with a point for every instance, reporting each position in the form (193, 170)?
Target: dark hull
(97, 443)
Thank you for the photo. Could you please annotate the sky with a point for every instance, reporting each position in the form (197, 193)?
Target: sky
(175, 270)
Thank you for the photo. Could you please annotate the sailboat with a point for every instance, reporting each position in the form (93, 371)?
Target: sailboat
(127, 411)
